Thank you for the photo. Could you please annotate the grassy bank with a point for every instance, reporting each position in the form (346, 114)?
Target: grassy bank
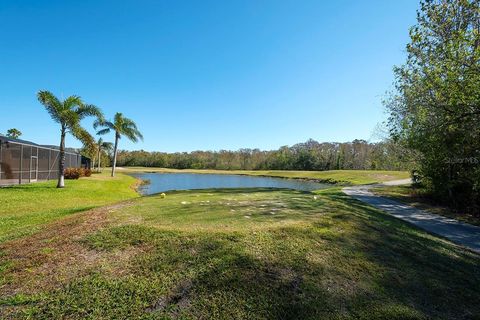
(332, 176)
(419, 198)
(24, 208)
(238, 254)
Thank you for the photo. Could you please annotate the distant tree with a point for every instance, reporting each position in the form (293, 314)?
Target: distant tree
(311, 155)
(245, 155)
(435, 109)
(68, 113)
(122, 127)
(14, 133)
(102, 146)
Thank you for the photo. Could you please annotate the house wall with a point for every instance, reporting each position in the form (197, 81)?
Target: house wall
(24, 163)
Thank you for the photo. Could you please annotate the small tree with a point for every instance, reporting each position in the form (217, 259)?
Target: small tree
(68, 113)
(14, 133)
(102, 145)
(122, 127)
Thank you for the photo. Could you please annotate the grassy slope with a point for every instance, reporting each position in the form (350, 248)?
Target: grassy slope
(24, 208)
(254, 254)
(418, 198)
(332, 176)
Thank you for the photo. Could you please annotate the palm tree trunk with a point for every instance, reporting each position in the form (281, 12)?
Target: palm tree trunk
(115, 155)
(98, 167)
(61, 162)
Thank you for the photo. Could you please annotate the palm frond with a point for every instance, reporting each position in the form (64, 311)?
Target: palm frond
(121, 126)
(98, 123)
(72, 102)
(91, 150)
(129, 123)
(127, 127)
(107, 146)
(70, 119)
(51, 104)
(103, 131)
(118, 119)
(139, 134)
(83, 135)
(132, 137)
(133, 134)
(86, 110)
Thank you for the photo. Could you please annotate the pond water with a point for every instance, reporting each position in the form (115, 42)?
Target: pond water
(161, 182)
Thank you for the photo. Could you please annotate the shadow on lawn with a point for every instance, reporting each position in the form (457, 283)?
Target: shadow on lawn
(386, 269)
(50, 184)
(435, 277)
(355, 263)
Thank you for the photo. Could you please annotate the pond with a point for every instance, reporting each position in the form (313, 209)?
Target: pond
(161, 182)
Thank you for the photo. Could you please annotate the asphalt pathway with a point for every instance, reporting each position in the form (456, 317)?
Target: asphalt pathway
(458, 232)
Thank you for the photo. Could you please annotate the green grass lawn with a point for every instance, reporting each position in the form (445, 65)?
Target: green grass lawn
(24, 208)
(238, 254)
(346, 177)
(418, 197)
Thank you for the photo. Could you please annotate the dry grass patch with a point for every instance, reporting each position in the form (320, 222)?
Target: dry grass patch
(54, 256)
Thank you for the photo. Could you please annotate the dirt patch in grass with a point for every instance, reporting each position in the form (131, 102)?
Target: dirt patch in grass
(55, 255)
(291, 280)
(178, 297)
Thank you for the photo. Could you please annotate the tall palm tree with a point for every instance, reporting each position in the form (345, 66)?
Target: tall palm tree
(68, 113)
(102, 145)
(122, 127)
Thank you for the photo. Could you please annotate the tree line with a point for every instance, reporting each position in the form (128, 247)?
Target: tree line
(435, 107)
(311, 155)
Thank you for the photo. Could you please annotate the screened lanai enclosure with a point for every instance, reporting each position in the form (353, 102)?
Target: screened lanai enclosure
(24, 162)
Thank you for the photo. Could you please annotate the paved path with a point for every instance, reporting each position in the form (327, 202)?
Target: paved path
(458, 232)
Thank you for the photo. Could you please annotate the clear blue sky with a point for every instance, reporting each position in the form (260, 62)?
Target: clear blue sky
(205, 75)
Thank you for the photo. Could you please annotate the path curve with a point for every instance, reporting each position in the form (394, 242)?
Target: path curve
(458, 232)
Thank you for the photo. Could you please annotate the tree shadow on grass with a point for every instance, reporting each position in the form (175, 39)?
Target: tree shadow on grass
(355, 263)
(30, 187)
(435, 276)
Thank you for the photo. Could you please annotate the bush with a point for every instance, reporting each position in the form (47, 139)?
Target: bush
(75, 173)
(72, 173)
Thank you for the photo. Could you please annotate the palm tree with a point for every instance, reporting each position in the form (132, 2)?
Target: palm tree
(122, 127)
(102, 145)
(68, 113)
(14, 133)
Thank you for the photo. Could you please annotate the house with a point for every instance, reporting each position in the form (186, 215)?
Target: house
(24, 161)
